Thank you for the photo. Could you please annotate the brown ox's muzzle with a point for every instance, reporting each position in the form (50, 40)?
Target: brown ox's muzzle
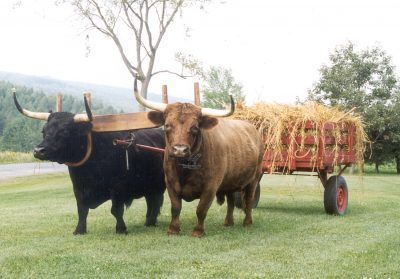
(180, 151)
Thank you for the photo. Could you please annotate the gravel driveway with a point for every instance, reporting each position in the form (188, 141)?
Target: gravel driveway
(8, 171)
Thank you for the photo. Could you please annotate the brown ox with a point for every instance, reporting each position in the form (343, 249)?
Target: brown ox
(206, 157)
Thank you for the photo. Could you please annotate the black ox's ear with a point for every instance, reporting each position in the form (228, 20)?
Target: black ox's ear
(208, 122)
(157, 117)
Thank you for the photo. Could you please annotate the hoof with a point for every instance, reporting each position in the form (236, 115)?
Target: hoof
(150, 223)
(121, 231)
(228, 223)
(247, 223)
(173, 230)
(79, 232)
(197, 233)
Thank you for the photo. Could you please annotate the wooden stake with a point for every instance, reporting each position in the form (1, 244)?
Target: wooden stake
(164, 94)
(59, 103)
(196, 94)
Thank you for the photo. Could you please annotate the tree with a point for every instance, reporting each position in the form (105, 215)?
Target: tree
(145, 20)
(2, 123)
(395, 131)
(219, 83)
(364, 79)
(21, 135)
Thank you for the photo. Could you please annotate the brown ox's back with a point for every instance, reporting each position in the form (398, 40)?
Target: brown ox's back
(232, 152)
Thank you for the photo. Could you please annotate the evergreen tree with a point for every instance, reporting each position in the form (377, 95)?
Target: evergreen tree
(19, 133)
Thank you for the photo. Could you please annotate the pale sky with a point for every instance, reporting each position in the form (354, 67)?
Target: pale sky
(274, 48)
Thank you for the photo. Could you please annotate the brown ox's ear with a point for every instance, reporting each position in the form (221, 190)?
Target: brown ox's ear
(157, 117)
(208, 122)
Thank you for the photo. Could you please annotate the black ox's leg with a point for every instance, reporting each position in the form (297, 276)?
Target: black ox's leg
(117, 209)
(83, 212)
(154, 203)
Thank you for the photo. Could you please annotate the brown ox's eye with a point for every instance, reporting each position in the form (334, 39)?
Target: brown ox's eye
(194, 130)
(167, 127)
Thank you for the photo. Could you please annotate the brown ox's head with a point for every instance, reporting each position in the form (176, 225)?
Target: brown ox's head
(183, 123)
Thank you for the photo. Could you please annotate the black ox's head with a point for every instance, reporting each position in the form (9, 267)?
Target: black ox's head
(64, 140)
(64, 134)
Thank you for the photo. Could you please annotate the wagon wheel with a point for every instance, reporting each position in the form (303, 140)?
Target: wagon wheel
(238, 197)
(336, 195)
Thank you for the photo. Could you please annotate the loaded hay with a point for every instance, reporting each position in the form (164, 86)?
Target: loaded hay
(278, 121)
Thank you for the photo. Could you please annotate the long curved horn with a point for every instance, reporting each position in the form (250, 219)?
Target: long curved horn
(31, 114)
(220, 113)
(146, 103)
(81, 117)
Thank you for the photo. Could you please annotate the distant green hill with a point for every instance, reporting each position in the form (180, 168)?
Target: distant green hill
(118, 97)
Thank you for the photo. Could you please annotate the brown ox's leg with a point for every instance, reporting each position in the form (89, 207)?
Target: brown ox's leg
(176, 207)
(230, 199)
(205, 202)
(248, 203)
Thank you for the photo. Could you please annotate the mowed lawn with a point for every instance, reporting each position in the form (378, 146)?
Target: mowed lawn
(291, 237)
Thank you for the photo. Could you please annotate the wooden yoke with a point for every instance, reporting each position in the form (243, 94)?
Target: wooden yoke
(125, 121)
(122, 122)
(116, 122)
(132, 121)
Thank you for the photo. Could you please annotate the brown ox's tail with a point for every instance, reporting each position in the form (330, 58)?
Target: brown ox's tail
(220, 199)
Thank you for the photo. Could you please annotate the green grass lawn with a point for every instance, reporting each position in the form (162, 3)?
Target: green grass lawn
(291, 236)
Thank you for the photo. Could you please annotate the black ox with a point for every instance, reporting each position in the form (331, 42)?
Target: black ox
(98, 169)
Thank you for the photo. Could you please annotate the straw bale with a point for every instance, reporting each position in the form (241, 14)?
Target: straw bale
(275, 121)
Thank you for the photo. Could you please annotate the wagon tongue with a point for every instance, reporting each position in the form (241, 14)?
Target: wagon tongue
(131, 142)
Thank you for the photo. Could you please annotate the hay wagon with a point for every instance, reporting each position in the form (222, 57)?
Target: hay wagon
(303, 153)
(309, 139)
(319, 155)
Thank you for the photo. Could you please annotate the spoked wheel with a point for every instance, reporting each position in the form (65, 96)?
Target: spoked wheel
(238, 197)
(336, 195)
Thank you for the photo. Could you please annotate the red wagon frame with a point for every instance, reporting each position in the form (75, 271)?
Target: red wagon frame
(321, 162)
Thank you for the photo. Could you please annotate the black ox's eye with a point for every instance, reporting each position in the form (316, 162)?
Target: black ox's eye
(64, 134)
